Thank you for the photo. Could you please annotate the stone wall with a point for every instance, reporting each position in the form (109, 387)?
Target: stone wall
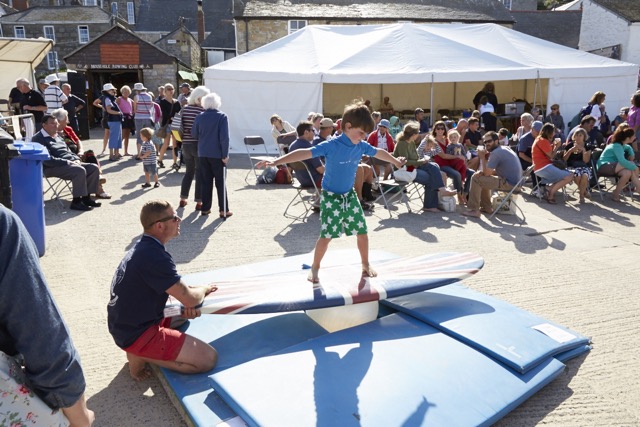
(593, 36)
(159, 75)
(524, 5)
(183, 46)
(262, 32)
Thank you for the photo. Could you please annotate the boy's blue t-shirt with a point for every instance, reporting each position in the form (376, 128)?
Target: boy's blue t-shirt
(342, 159)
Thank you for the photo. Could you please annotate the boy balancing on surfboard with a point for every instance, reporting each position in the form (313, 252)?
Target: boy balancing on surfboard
(139, 291)
(340, 208)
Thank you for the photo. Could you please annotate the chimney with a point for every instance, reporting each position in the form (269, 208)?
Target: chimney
(200, 20)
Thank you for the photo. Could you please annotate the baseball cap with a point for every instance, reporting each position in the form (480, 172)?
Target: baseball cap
(185, 85)
(326, 123)
(418, 110)
(537, 125)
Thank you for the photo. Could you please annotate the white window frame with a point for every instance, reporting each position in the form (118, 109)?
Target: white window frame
(53, 32)
(131, 13)
(52, 60)
(90, 2)
(295, 25)
(507, 3)
(80, 39)
(17, 29)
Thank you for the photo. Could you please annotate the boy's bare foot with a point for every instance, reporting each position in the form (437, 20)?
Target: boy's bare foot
(367, 271)
(313, 276)
(138, 368)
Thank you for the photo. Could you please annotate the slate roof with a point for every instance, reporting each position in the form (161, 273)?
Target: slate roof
(379, 10)
(58, 14)
(162, 16)
(561, 27)
(627, 9)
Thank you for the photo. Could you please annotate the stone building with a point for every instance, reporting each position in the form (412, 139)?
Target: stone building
(120, 57)
(68, 26)
(611, 28)
(259, 22)
(520, 4)
(183, 45)
(561, 27)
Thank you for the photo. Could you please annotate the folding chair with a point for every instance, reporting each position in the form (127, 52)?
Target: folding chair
(507, 197)
(301, 168)
(57, 186)
(612, 181)
(285, 141)
(391, 189)
(255, 142)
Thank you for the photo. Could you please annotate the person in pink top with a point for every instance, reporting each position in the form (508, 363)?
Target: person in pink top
(126, 107)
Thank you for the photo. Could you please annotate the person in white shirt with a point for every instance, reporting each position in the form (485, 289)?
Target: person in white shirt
(53, 95)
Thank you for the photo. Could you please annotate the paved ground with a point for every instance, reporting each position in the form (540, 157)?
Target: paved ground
(572, 264)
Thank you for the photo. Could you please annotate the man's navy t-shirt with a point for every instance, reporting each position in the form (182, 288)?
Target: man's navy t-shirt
(138, 290)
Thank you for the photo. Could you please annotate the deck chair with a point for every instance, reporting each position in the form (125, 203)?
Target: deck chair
(285, 141)
(390, 189)
(507, 197)
(57, 187)
(608, 182)
(301, 168)
(258, 144)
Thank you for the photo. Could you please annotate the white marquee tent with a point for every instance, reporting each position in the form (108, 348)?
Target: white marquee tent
(18, 58)
(321, 68)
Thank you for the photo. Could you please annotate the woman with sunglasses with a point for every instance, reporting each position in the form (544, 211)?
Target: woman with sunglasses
(453, 165)
(427, 173)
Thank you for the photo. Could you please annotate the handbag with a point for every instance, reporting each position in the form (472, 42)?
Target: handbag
(176, 124)
(405, 176)
(162, 131)
(559, 163)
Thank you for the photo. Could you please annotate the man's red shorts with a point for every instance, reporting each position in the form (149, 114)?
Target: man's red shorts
(159, 342)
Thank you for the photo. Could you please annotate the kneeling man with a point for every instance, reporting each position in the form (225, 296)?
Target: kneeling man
(139, 291)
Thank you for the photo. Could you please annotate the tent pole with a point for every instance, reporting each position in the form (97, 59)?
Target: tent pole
(455, 88)
(431, 107)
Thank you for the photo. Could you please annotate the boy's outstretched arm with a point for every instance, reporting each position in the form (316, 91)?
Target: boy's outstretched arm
(384, 155)
(294, 156)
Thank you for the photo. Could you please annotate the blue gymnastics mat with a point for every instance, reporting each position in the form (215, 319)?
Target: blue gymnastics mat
(515, 337)
(238, 339)
(393, 371)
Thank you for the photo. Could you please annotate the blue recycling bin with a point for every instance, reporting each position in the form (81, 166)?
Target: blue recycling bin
(25, 174)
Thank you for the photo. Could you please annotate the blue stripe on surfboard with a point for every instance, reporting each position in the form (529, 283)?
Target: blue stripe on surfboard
(393, 371)
(493, 326)
(339, 285)
(238, 339)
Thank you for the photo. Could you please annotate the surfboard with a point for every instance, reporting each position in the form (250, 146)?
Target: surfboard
(338, 286)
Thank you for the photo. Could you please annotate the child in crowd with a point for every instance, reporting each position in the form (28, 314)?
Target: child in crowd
(455, 147)
(503, 133)
(148, 157)
(340, 209)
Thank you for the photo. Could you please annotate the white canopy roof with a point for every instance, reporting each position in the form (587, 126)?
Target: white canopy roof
(404, 54)
(18, 58)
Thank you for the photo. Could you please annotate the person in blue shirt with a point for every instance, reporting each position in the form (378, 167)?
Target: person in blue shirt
(37, 355)
(340, 209)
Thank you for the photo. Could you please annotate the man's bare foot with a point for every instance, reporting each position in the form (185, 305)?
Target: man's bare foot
(313, 275)
(474, 213)
(367, 271)
(138, 368)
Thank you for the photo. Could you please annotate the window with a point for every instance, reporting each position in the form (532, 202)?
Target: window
(90, 2)
(507, 4)
(296, 25)
(83, 34)
(49, 33)
(52, 60)
(131, 13)
(19, 33)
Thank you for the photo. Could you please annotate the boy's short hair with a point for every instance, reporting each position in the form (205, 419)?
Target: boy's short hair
(303, 126)
(359, 116)
(472, 120)
(146, 132)
(503, 132)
